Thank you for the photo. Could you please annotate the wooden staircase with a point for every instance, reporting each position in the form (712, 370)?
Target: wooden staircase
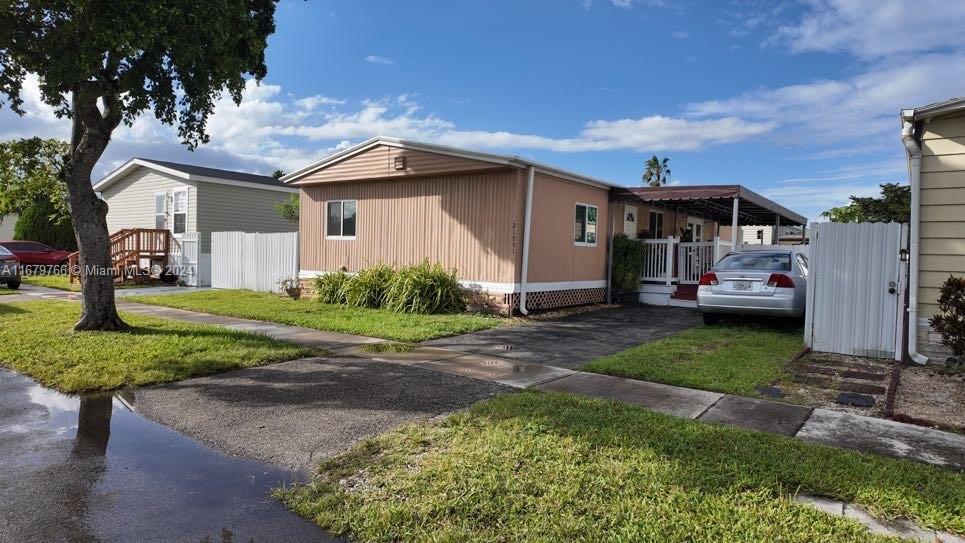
(129, 247)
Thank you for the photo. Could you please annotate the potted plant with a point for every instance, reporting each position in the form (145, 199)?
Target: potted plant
(293, 288)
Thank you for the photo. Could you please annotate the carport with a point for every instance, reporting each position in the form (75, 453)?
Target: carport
(726, 204)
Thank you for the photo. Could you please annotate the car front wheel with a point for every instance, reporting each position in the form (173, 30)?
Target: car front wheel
(13, 285)
(710, 319)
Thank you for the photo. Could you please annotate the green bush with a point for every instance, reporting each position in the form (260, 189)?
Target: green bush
(330, 288)
(35, 224)
(627, 263)
(425, 288)
(367, 288)
(950, 322)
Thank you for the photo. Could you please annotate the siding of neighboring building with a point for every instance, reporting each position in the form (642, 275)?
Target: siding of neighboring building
(379, 162)
(229, 208)
(471, 222)
(131, 200)
(942, 208)
(7, 224)
(554, 257)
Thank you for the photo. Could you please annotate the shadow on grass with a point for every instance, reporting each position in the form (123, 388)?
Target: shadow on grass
(10, 310)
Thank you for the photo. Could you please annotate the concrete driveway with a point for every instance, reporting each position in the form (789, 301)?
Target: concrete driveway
(574, 340)
(295, 413)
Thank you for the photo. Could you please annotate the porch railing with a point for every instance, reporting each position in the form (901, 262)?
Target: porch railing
(658, 256)
(672, 261)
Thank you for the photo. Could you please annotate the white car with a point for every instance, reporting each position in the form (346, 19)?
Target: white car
(767, 282)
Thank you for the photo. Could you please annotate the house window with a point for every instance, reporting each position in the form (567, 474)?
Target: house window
(585, 231)
(341, 219)
(180, 211)
(656, 225)
(160, 210)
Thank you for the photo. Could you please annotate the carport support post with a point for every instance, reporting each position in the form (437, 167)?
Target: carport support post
(733, 224)
(776, 240)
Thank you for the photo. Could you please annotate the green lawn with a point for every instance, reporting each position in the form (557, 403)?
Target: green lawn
(62, 282)
(311, 314)
(546, 467)
(37, 340)
(723, 358)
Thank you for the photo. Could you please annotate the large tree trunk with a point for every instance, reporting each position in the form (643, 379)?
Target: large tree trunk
(90, 136)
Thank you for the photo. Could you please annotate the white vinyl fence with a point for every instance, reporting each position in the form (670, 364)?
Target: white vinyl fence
(184, 258)
(256, 262)
(856, 287)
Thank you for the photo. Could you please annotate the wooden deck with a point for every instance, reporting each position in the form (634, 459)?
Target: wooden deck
(134, 252)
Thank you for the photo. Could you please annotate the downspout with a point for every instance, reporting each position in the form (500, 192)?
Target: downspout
(611, 216)
(527, 223)
(914, 167)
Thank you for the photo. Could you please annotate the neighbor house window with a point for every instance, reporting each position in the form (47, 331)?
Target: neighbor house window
(585, 232)
(160, 209)
(180, 211)
(656, 225)
(341, 219)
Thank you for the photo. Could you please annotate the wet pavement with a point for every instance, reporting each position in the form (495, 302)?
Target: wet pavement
(574, 340)
(92, 469)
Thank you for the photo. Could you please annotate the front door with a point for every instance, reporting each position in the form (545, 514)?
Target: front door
(630, 221)
(696, 227)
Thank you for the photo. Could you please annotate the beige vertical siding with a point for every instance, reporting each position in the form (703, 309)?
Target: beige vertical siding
(228, 208)
(470, 221)
(130, 200)
(942, 208)
(379, 162)
(554, 257)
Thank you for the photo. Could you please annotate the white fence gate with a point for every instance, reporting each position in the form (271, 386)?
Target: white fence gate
(856, 285)
(253, 261)
(184, 258)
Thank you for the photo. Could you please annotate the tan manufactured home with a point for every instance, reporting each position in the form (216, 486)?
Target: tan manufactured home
(526, 235)
(934, 136)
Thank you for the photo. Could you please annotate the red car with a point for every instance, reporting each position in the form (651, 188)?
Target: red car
(31, 253)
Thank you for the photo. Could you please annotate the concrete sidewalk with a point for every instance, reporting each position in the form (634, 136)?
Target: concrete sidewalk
(816, 425)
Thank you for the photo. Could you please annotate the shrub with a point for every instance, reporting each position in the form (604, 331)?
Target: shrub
(627, 263)
(425, 288)
(367, 288)
(330, 288)
(39, 222)
(950, 322)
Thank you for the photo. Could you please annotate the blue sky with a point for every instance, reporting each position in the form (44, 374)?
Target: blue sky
(796, 100)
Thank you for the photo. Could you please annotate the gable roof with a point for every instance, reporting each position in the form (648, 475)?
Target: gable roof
(502, 160)
(191, 172)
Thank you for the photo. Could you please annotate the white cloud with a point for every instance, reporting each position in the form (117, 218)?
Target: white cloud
(681, 35)
(376, 59)
(876, 28)
(312, 103)
(854, 111)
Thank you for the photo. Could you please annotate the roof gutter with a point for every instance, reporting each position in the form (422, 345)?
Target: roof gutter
(913, 148)
(527, 226)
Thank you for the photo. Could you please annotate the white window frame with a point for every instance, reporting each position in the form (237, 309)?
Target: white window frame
(692, 223)
(174, 209)
(164, 212)
(653, 235)
(342, 220)
(586, 224)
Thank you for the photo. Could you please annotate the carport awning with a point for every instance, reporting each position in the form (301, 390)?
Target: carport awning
(715, 202)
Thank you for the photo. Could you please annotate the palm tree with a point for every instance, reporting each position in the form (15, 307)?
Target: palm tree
(657, 171)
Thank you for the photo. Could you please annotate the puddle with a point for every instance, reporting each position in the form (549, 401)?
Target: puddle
(92, 469)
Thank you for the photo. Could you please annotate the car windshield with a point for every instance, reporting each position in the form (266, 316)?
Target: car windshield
(756, 261)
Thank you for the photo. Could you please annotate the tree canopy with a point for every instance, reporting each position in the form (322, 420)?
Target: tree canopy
(31, 169)
(103, 63)
(657, 171)
(894, 205)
